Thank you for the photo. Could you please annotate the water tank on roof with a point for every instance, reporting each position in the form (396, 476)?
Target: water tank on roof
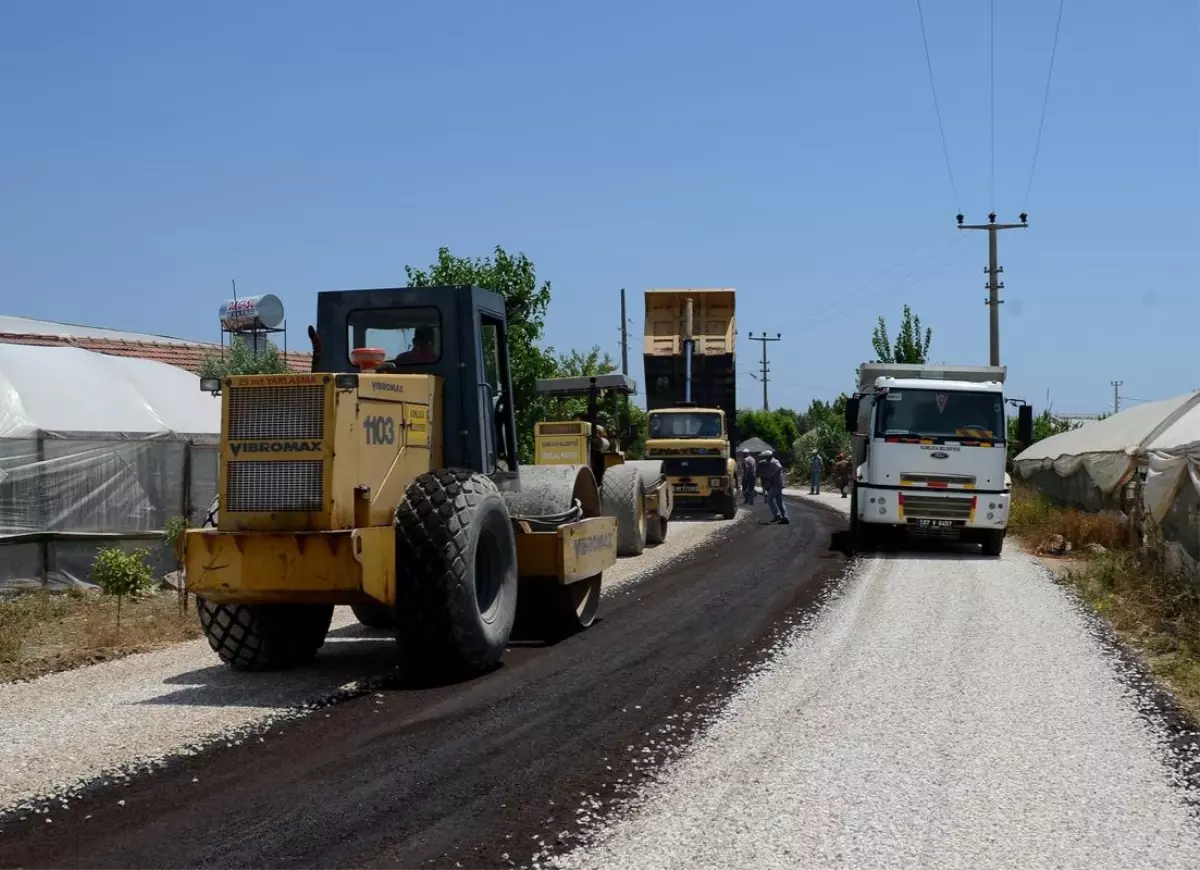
(251, 313)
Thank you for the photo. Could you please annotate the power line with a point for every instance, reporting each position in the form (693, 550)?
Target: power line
(1045, 101)
(992, 86)
(840, 301)
(936, 106)
(896, 285)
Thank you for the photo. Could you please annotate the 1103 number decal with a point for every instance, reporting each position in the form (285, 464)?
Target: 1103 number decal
(380, 430)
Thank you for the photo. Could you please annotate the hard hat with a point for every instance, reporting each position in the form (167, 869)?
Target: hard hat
(768, 454)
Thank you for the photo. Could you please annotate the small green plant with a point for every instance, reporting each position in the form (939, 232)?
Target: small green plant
(122, 575)
(173, 530)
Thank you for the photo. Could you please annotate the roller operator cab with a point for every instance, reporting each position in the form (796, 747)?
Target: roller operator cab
(388, 480)
(930, 452)
(693, 446)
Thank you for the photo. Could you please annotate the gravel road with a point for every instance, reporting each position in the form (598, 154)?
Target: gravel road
(945, 710)
(109, 720)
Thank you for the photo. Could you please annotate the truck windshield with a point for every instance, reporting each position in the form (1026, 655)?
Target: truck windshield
(685, 425)
(940, 414)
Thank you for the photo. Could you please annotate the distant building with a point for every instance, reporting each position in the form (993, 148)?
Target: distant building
(179, 352)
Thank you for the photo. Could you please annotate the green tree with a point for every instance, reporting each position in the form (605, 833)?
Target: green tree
(122, 575)
(525, 301)
(910, 346)
(821, 412)
(241, 359)
(778, 428)
(1045, 424)
(615, 413)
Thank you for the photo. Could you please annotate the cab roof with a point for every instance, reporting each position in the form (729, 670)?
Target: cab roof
(945, 386)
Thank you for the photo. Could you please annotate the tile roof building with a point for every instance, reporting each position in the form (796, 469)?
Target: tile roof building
(181, 352)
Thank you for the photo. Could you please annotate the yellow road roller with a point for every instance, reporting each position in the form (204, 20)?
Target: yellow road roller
(636, 492)
(387, 479)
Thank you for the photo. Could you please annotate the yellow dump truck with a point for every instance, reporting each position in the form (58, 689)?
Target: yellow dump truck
(635, 492)
(388, 480)
(691, 395)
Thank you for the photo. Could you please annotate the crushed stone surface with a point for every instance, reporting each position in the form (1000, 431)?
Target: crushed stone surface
(110, 721)
(943, 710)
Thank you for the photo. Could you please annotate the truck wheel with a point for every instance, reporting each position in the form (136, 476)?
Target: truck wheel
(456, 574)
(264, 637)
(993, 542)
(623, 495)
(656, 530)
(728, 505)
(374, 615)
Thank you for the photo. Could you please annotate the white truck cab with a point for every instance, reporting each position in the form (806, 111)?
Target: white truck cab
(930, 449)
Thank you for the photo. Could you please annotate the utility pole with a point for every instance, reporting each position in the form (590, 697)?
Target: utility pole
(993, 270)
(1116, 385)
(764, 338)
(624, 336)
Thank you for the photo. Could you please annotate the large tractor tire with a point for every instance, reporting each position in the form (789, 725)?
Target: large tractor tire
(623, 495)
(456, 574)
(374, 615)
(264, 637)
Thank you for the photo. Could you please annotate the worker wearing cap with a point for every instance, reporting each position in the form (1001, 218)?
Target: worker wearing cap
(748, 466)
(771, 471)
(815, 471)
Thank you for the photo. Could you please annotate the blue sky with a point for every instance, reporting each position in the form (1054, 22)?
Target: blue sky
(153, 151)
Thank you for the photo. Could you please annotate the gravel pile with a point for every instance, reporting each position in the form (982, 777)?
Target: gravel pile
(109, 721)
(944, 710)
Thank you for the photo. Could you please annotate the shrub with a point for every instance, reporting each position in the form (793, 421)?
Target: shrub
(122, 575)
(1035, 518)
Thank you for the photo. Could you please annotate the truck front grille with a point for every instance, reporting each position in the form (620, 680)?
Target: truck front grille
(286, 485)
(257, 413)
(926, 507)
(962, 481)
(698, 466)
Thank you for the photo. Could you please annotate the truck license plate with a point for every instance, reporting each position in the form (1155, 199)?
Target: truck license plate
(935, 524)
(687, 487)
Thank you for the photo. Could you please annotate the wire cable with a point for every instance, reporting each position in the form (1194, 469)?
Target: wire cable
(992, 86)
(937, 106)
(1037, 147)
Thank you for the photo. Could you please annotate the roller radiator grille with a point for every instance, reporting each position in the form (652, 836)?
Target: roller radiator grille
(262, 413)
(286, 485)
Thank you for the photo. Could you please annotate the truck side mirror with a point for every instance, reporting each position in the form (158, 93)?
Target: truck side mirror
(1025, 424)
(852, 414)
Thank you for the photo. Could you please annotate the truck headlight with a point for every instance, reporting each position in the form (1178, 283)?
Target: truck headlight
(715, 482)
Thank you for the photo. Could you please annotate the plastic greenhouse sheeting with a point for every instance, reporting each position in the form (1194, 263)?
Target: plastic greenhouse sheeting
(96, 450)
(1162, 437)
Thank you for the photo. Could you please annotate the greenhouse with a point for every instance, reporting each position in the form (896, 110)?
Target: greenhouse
(96, 451)
(1150, 452)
